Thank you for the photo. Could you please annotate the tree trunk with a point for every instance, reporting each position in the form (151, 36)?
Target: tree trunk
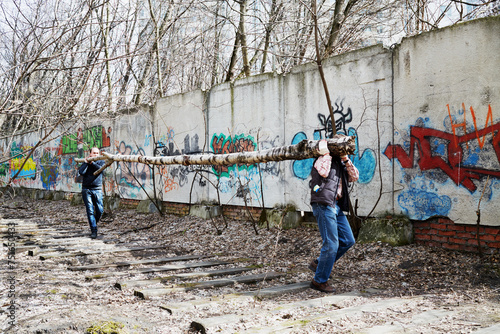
(166, 23)
(338, 19)
(273, 16)
(232, 61)
(338, 145)
(320, 67)
(243, 38)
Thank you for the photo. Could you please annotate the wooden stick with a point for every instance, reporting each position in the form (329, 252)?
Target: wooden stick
(100, 157)
(106, 165)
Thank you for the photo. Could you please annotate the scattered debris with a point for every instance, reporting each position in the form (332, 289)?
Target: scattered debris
(402, 283)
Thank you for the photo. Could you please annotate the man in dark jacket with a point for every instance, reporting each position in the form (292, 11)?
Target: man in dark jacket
(91, 190)
(329, 197)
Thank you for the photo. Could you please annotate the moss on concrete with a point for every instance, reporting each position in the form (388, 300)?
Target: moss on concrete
(107, 327)
(147, 206)
(396, 231)
(273, 217)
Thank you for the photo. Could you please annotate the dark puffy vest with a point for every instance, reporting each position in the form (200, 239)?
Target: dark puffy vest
(324, 189)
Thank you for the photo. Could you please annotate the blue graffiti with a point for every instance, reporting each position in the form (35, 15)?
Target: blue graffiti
(50, 169)
(422, 204)
(147, 140)
(68, 169)
(301, 168)
(245, 181)
(366, 163)
(439, 148)
(471, 157)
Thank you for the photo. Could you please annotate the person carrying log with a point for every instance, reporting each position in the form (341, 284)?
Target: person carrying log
(329, 198)
(338, 145)
(92, 190)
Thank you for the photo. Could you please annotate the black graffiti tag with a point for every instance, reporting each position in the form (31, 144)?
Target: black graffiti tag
(341, 119)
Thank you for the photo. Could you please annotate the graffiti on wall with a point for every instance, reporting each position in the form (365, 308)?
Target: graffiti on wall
(132, 175)
(25, 167)
(220, 144)
(245, 181)
(167, 183)
(465, 155)
(4, 168)
(458, 156)
(49, 164)
(271, 168)
(68, 170)
(342, 118)
(51, 167)
(175, 177)
(365, 161)
(421, 200)
(77, 143)
(302, 168)
(47, 167)
(167, 147)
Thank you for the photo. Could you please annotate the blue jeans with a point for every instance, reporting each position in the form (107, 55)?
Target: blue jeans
(93, 203)
(337, 238)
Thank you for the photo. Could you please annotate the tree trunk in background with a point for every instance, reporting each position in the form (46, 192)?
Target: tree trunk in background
(339, 15)
(243, 38)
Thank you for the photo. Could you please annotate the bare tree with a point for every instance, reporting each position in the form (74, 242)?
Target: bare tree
(158, 33)
(103, 55)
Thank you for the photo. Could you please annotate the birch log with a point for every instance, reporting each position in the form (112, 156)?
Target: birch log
(338, 145)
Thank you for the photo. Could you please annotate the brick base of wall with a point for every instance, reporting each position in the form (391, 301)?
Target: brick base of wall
(129, 203)
(178, 209)
(444, 233)
(182, 209)
(241, 213)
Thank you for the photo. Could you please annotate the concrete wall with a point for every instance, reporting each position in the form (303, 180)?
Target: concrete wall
(52, 165)
(446, 147)
(423, 115)
(130, 135)
(248, 116)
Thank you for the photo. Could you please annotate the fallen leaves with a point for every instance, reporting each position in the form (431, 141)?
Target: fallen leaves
(442, 277)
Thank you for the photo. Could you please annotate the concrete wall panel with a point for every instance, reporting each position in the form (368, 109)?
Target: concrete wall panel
(180, 128)
(446, 150)
(356, 81)
(131, 137)
(247, 116)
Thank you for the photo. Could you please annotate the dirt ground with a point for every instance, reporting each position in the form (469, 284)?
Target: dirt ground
(52, 299)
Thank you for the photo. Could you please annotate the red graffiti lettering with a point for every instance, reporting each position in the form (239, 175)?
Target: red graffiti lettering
(106, 141)
(453, 164)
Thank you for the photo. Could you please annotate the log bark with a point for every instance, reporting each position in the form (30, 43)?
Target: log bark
(338, 145)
